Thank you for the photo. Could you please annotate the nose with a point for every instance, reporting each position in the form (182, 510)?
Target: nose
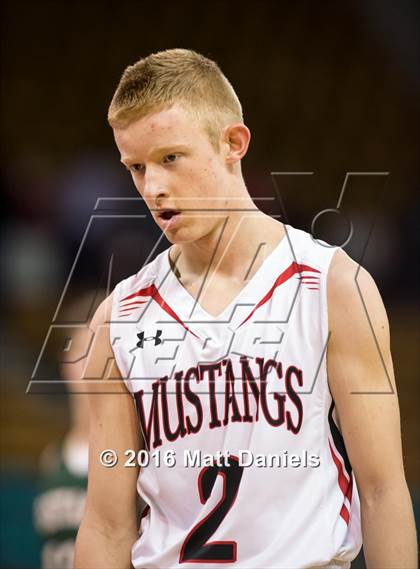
(154, 187)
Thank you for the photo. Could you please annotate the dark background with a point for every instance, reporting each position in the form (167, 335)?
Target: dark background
(327, 88)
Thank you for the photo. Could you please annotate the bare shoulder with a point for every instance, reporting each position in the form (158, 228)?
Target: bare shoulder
(101, 368)
(353, 297)
(346, 278)
(102, 316)
(358, 325)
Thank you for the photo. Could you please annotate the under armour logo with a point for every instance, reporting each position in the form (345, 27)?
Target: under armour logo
(142, 339)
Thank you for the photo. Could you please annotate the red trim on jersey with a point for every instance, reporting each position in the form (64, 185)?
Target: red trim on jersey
(345, 482)
(129, 309)
(344, 513)
(281, 279)
(134, 303)
(153, 292)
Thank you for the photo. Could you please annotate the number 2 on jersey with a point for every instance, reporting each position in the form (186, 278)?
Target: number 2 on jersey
(196, 547)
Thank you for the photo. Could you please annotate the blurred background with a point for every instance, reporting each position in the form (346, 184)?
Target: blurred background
(327, 88)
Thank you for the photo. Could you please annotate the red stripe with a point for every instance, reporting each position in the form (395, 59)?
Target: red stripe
(281, 279)
(343, 482)
(129, 309)
(346, 486)
(152, 291)
(134, 303)
(147, 291)
(344, 513)
(349, 494)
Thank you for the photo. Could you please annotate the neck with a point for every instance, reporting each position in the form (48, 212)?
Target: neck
(243, 239)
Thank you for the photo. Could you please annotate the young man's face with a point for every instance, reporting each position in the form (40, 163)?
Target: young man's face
(175, 167)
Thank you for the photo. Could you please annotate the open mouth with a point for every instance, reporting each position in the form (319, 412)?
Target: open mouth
(168, 214)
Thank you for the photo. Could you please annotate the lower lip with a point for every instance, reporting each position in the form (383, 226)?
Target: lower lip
(169, 223)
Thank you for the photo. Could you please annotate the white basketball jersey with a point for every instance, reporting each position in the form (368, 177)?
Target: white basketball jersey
(246, 465)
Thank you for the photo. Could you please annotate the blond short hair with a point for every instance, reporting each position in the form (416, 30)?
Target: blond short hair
(183, 76)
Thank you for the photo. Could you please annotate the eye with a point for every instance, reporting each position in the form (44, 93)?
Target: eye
(170, 158)
(136, 168)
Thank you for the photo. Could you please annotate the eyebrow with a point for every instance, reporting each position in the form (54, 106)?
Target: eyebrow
(160, 150)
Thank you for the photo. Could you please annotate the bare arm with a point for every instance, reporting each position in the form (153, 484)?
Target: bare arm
(359, 360)
(109, 526)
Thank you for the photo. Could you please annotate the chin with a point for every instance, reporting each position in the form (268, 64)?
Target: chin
(178, 237)
(181, 237)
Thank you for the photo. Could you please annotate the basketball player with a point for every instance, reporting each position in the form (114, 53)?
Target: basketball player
(270, 444)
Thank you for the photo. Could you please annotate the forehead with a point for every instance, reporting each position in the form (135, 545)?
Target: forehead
(169, 127)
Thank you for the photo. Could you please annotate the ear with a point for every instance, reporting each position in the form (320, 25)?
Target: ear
(236, 138)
